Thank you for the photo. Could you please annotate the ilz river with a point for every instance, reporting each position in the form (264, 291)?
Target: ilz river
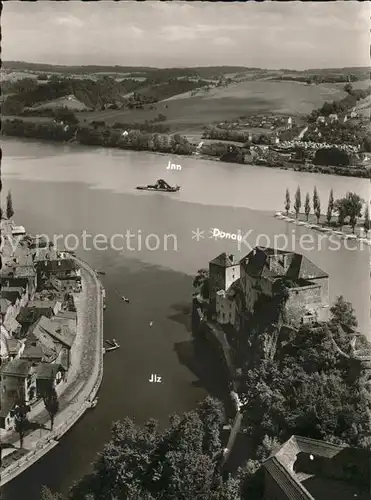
(66, 190)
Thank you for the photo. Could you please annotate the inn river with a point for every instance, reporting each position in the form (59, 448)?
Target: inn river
(66, 190)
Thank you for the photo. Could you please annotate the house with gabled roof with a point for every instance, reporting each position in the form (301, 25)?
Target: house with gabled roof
(48, 376)
(29, 315)
(311, 469)
(60, 274)
(7, 281)
(38, 348)
(26, 272)
(50, 340)
(19, 375)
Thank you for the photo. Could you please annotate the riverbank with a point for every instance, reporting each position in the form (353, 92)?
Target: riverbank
(84, 381)
(173, 144)
(362, 237)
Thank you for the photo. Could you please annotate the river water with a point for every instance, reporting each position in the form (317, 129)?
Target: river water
(66, 190)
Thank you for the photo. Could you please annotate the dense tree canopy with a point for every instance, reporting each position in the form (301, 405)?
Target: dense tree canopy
(305, 390)
(143, 463)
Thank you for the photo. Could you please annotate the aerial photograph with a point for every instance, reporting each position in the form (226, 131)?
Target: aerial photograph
(185, 254)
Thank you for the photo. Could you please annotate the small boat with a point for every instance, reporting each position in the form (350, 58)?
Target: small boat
(94, 403)
(125, 299)
(171, 189)
(99, 272)
(113, 345)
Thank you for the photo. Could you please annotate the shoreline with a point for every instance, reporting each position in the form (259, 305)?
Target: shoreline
(86, 390)
(324, 229)
(315, 169)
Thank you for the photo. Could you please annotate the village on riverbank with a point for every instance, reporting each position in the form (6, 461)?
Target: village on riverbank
(280, 345)
(46, 323)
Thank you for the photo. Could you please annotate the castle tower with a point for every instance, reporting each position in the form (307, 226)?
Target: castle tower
(223, 271)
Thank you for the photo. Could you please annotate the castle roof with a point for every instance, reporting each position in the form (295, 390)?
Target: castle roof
(224, 260)
(291, 265)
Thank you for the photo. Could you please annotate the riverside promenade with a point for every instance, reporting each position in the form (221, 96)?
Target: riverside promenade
(83, 381)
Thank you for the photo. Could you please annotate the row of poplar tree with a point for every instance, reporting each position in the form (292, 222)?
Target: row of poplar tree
(349, 207)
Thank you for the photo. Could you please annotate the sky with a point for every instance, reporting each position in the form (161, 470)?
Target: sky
(272, 35)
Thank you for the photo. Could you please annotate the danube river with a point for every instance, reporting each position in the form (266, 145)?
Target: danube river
(69, 191)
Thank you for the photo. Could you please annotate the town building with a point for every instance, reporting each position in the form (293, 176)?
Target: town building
(19, 375)
(60, 274)
(48, 376)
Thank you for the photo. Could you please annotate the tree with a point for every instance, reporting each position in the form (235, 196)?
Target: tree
(348, 88)
(20, 419)
(47, 494)
(287, 201)
(342, 213)
(201, 282)
(297, 205)
(315, 199)
(180, 463)
(342, 312)
(66, 116)
(267, 446)
(366, 223)
(307, 206)
(51, 403)
(354, 208)
(9, 205)
(351, 206)
(330, 207)
(318, 210)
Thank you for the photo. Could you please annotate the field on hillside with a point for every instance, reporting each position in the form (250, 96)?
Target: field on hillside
(364, 107)
(227, 103)
(361, 84)
(69, 102)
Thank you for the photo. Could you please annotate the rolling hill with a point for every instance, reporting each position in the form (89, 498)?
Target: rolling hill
(187, 111)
